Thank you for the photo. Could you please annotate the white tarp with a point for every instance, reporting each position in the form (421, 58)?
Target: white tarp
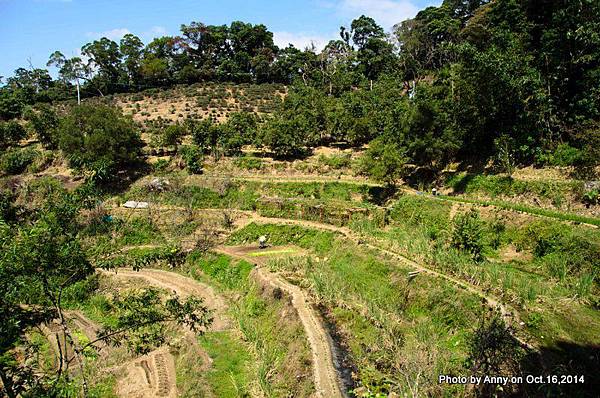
(132, 204)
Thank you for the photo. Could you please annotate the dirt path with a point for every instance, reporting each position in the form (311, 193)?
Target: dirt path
(326, 378)
(153, 375)
(184, 287)
(453, 211)
(300, 178)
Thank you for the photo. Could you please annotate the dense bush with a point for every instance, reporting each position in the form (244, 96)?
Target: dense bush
(467, 234)
(172, 134)
(97, 135)
(11, 133)
(16, 160)
(44, 121)
(192, 156)
(284, 137)
(384, 161)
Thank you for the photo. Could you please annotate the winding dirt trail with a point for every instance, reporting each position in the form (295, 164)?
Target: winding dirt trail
(509, 315)
(327, 383)
(184, 287)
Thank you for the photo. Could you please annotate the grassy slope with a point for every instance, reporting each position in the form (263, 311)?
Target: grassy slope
(391, 328)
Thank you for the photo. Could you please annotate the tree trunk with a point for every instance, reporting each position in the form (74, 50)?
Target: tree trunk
(78, 94)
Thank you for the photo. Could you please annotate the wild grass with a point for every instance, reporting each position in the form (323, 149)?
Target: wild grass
(228, 196)
(339, 191)
(228, 375)
(319, 241)
(336, 161)
(377, 311)
(249, 163)
(564, 264)
(497, 185)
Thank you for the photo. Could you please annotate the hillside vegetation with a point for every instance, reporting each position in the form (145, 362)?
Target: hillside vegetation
(211, 215)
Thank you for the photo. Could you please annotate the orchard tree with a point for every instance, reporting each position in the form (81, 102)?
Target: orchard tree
(99, 137)
(384, 161)
(44, 122)
(284, 137)
(467, 234)
(11, 104)
(11, 133)
(205, 134)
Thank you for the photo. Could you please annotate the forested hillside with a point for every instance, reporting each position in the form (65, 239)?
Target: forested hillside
(211, 215)
(464, 81)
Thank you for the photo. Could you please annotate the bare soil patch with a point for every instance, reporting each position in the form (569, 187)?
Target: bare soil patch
(151, 375)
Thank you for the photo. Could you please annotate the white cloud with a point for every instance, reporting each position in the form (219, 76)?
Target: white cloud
(301, 40)
(385, 12)
(155, 31)
(158, 30)
(113, 34)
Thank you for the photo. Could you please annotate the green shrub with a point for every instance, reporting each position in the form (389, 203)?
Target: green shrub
(16, 160)
(160, 165)
(591, 197)
(249, 163)
(385, 161)
(11, 133)
(92, 133)
(192, 155)
(172, 135)
(44, 122)
(563, 155)
(467, 234)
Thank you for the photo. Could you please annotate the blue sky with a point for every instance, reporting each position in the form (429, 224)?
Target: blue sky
(32, 29)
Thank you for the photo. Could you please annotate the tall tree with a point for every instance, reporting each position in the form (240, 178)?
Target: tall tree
(104, 58)
(131, 49)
